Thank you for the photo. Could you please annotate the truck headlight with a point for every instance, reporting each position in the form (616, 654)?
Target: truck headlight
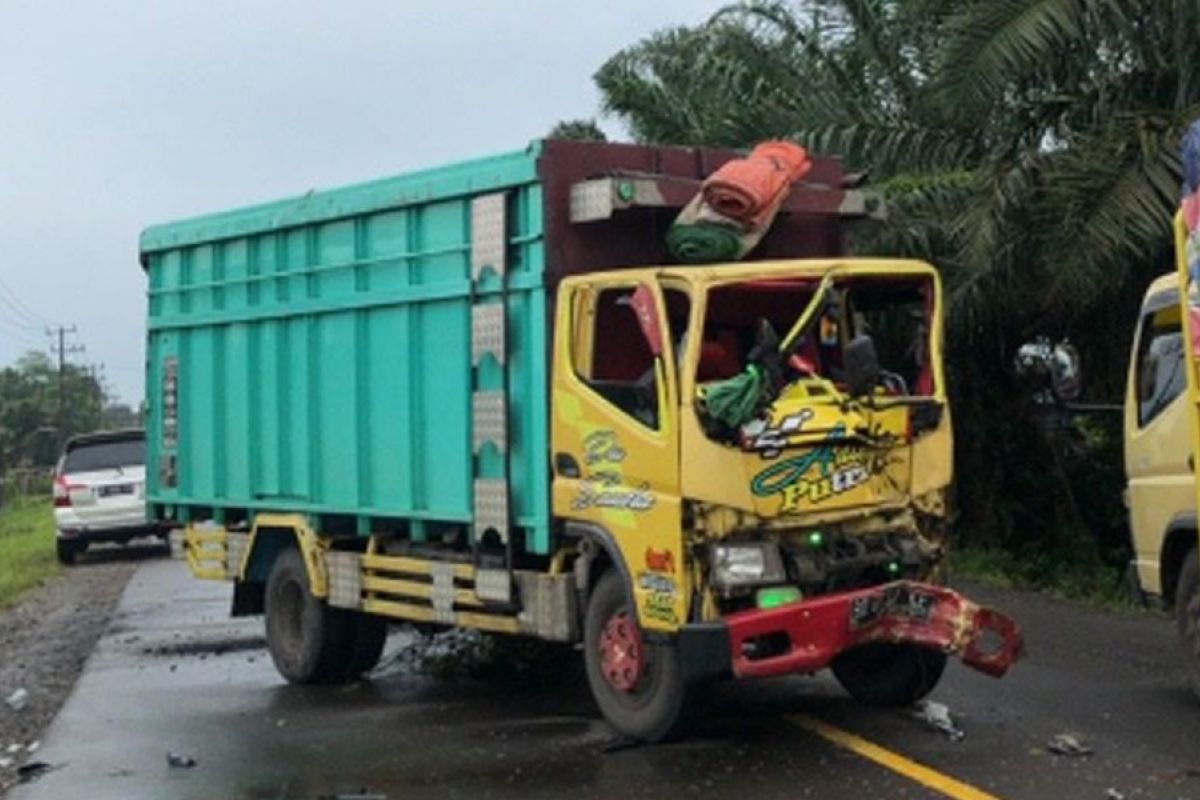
(746, 564)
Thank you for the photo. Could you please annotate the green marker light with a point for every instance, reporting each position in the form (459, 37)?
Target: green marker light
(816, 539)
(893, 567)
(777, 596)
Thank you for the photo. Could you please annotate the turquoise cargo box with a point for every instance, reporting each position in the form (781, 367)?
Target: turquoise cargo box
(376, 356)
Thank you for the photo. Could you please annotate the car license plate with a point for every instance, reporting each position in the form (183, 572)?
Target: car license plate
(115, 489)
(900, 601)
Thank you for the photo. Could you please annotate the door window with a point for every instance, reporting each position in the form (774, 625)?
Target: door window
(1160, 377)
(612, 355)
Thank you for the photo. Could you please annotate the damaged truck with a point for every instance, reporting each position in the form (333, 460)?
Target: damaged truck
(489, 396)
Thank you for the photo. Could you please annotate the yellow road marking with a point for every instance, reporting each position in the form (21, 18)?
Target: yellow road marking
(894, 761)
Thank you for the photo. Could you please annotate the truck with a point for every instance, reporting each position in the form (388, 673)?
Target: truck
(483, 396)
(1159, 493)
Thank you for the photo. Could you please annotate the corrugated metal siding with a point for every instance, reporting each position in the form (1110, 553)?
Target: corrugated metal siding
(323, 351)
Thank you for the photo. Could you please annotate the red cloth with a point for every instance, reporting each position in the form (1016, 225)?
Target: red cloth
(1191, 210)
(750, 190)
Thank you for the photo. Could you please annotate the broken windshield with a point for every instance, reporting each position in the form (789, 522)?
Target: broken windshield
(761, 337)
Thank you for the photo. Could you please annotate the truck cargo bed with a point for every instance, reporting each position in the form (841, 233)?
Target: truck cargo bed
(316, 354)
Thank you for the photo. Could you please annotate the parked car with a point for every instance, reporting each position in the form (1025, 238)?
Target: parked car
(100, 492)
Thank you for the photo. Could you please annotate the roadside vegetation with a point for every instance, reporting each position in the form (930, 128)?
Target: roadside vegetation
(1028, 149)
(1094, 581)
(26, 546)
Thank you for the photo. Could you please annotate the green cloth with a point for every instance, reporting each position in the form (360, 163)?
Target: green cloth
(702, 243)
(734, 402)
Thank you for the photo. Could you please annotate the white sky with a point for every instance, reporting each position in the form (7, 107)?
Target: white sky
(119, 114)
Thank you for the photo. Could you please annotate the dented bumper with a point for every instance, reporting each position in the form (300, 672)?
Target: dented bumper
(807, 636)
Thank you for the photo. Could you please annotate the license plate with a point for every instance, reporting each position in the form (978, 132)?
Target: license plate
(115, 490)
(898, 601)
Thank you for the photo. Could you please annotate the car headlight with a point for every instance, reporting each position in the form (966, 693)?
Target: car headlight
(746, 564)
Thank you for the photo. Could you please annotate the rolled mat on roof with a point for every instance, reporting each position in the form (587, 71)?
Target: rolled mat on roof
(736, 204)
(751, 189)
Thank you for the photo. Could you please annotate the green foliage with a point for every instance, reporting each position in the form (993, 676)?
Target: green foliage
(26, 546)
(29, 409)
(580, 130)
(1028, 148)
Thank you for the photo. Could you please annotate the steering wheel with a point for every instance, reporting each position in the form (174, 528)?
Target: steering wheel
(894, 383)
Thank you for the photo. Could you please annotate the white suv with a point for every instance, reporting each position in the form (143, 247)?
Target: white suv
(100, 492)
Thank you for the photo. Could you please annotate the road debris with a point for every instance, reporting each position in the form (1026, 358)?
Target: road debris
(5, 762)
(1113, 794)
(1068, 744)
(27, 773)
(18, 699)
(937, 716)
(180, 761)
(15, 748)
(33, 746)
(1176, 776)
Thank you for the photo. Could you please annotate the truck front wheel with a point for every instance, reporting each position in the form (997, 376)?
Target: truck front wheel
(885, 674)
(310, 642)
(1187, 615)
(638, 685)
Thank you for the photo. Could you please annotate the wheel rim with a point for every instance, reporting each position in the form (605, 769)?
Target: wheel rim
(622, 655)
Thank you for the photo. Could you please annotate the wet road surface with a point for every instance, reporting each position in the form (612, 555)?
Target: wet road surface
(173, 673)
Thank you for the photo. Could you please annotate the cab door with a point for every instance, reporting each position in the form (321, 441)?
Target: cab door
(615, 433)
(1157, 436)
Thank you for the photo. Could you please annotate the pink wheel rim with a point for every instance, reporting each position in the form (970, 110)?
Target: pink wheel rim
(622, 657)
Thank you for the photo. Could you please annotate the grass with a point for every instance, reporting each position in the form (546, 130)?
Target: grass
(26, 546)
(1085, 579)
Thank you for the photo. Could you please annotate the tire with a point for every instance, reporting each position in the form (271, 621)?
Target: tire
(68, 551)
(310, 642)
(369, 636)
(651, 709)
(884, 674)
(1187, 616)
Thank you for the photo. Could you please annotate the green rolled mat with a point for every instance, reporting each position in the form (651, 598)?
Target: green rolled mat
(703, 244)
(733, 402)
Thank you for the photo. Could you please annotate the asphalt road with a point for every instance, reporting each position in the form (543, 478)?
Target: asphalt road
(172, 673)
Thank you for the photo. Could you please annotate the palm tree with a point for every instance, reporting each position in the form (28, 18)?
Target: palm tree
(1027, 147)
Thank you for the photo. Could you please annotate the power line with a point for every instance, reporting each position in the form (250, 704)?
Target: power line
(21, 308)
(20, 333)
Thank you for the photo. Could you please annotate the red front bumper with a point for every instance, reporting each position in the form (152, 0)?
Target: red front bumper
(807, 636)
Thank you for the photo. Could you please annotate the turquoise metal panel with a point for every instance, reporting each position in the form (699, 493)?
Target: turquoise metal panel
(323, 348)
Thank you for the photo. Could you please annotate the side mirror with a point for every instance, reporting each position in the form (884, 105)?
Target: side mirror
(1054, 364)
(861, 363)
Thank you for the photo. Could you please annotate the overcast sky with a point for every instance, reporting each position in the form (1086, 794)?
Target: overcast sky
(115, 115)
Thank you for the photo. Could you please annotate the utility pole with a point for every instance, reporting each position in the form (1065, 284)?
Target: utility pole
(62, 351)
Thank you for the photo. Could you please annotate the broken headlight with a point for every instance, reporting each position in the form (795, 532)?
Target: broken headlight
(745, 565)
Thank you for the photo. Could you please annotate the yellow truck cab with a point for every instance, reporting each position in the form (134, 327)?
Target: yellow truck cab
(1160, 491)
(485, 396)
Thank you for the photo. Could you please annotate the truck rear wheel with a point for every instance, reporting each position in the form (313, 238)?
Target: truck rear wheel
(1187, 615)
(638, 685)
(310, 642)
(885, 674)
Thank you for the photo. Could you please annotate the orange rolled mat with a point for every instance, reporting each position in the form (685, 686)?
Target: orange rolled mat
(751, 189)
